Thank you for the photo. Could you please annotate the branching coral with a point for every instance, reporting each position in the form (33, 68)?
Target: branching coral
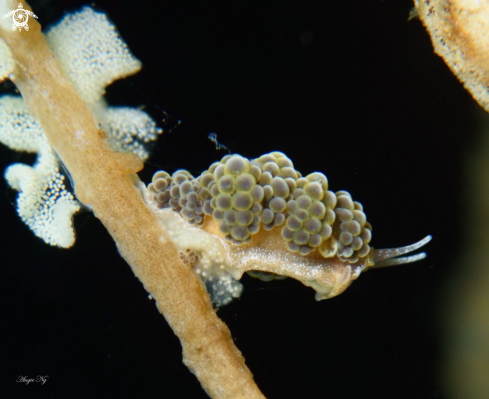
(106, 182)
(44, 204)
(459, 30)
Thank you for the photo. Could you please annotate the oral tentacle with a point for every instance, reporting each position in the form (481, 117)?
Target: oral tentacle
(391, 256)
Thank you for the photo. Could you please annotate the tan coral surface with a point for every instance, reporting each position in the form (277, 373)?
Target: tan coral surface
(106, 181)
(459, 30)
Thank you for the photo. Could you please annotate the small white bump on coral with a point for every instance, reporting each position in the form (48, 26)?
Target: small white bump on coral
(91, 53)
(43, 203)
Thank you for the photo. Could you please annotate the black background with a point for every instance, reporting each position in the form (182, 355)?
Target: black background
(351, 89)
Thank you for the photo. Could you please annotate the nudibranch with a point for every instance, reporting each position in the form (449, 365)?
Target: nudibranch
(263, 217)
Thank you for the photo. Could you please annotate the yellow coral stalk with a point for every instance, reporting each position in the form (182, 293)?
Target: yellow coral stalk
(106, 181)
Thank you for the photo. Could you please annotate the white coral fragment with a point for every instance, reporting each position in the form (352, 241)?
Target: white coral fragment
(7, 63)
(129, 129)
(43, 203)
(19, 130)
(91, 53)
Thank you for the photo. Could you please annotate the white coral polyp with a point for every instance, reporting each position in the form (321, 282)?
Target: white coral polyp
(18, 129)
(91, 53)
(43, 203)
(129, 129)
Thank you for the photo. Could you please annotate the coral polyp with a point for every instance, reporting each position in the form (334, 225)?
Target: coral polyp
(264, 216)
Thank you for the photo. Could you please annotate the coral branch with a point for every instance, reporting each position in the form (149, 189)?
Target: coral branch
(106, 182)
(459, 30)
